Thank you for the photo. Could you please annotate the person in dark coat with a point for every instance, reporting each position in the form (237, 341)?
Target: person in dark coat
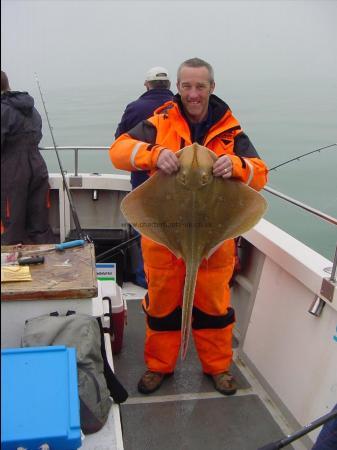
(24, 174)
(157, 83)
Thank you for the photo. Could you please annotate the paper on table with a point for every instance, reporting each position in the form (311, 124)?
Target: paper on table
(15, 273)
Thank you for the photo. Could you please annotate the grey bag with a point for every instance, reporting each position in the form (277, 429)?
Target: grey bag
(96, 381)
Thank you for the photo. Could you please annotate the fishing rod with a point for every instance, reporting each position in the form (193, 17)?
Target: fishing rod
(113, 251)
(297, 158)
(311, 426)
(80, 232)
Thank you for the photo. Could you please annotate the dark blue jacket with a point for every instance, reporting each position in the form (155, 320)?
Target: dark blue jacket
(139, 110)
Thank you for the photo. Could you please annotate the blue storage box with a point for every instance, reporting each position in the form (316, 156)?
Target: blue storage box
(39, 398)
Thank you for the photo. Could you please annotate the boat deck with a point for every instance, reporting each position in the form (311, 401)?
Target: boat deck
(186, 412)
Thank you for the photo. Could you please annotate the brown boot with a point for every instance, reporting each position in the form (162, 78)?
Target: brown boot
(224, 383)
(151, 381)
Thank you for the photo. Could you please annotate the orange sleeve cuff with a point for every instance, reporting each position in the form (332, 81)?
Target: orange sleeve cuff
(132, 155)
(238, 171)
(252, 171)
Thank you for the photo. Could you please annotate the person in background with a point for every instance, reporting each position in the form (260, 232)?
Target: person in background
(194, 115)
(157, 83)
(24, 175)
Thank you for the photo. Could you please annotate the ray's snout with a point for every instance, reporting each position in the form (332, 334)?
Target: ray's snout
(195, 169)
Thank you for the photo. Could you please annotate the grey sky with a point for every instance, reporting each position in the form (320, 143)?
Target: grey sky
(84, 43)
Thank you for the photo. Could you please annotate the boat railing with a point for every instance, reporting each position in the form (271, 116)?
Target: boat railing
(272, 191)
(76, 152)
(308, 208)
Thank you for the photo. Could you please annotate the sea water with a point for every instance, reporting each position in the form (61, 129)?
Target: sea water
(282, 122)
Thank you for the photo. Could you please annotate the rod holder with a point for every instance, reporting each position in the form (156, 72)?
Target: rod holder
(316, 307)
(334, 268)
(95, 194)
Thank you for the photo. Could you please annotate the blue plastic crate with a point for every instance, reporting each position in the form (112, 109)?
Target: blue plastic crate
(39, 398)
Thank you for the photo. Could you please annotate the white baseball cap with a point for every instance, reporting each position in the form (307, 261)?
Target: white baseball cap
(157, 73)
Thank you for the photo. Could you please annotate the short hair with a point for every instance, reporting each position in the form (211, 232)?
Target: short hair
(159, 84)
(196, 62)
(4, 82)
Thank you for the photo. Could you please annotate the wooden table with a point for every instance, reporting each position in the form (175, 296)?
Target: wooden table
(65, 281)
(67, 274)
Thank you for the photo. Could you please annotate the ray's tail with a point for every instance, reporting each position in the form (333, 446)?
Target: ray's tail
(188, 299)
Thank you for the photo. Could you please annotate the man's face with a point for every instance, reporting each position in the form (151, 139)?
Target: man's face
(195, 88)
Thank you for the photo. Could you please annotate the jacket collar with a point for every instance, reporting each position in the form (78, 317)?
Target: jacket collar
(219, 113)
(157, 93)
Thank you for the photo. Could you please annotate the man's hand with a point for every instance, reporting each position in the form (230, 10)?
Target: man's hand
(167, 161)
(223, 167)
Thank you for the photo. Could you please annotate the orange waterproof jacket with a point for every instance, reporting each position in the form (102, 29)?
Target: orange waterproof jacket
(139, 149)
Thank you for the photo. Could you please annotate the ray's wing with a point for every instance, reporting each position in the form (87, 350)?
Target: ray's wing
(157, 209)
(232, 209)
